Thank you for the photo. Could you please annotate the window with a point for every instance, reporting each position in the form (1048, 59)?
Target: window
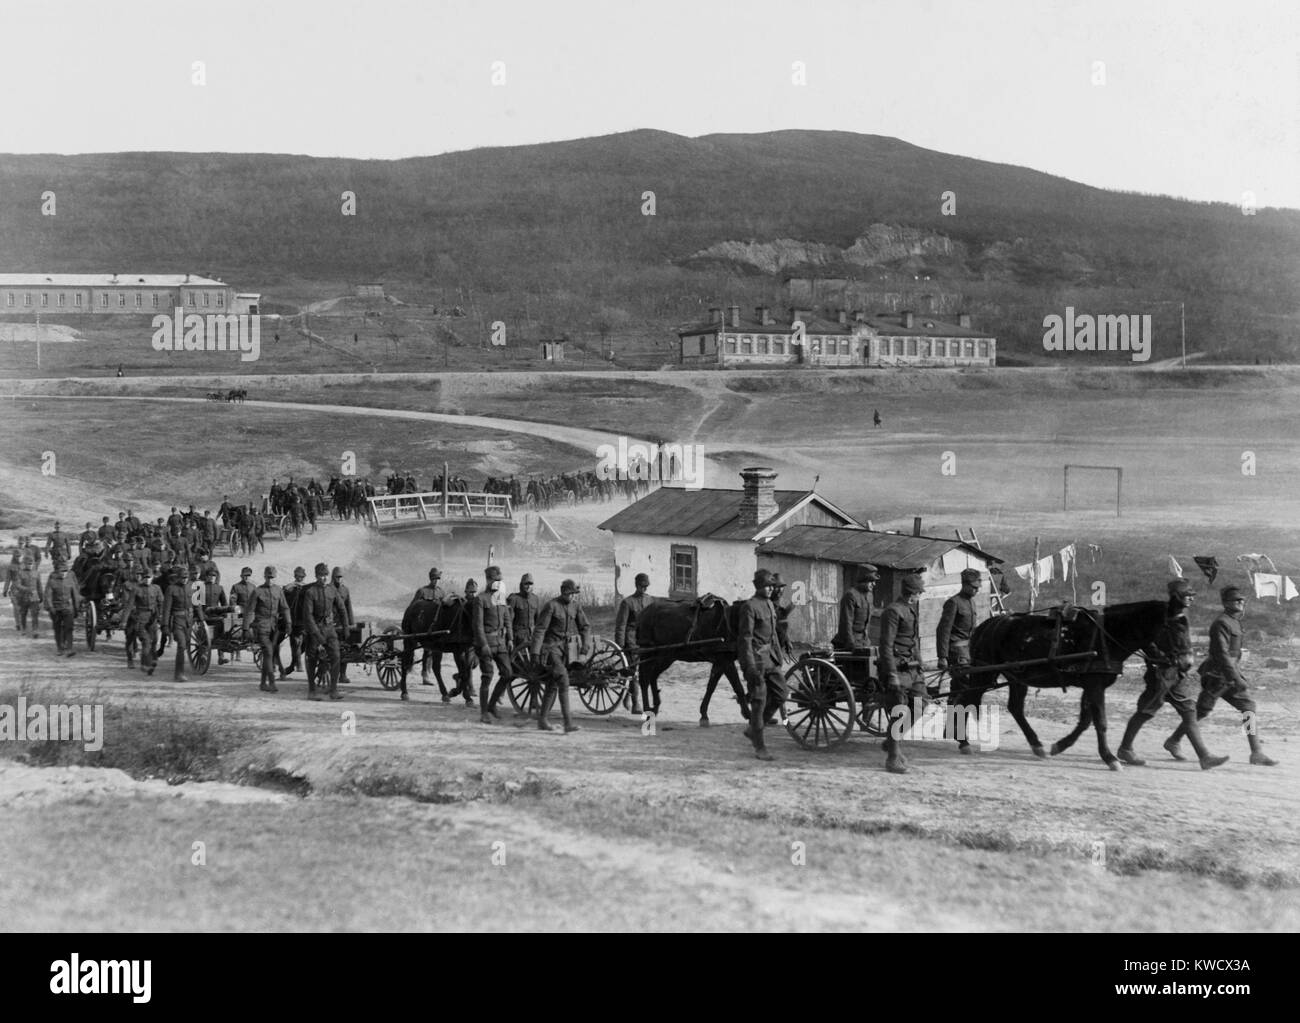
(909, 346)
(778, 346)
(221, 302)
(984, 349)
(121, 299)
(155, 300)
(746, 346)
(815, 345)
(63, 300)
(45, 298)
(844, 346)
(189, 298)
(762, 346)
(103, 299)
(206, 298)
(968, 349)
(27, 298)
(683, 561)
(76, 299)
(139, 300)
(730, 345)
(9, 298)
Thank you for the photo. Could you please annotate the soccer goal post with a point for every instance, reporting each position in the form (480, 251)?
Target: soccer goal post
(1092, 472)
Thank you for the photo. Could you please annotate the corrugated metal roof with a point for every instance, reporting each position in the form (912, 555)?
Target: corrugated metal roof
(106, 281)
(710, 513)
(864, 546)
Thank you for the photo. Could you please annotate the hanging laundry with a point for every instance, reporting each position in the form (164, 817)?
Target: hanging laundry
(1068, 558)
(1208, 565)
(1289, 592)
(1023, 571)
(1267, 585)
(1044, 572)
(1174, 567)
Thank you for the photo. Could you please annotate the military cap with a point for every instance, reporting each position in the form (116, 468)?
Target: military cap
(212, 572)
(1180, 586)
(912, 584)
(434, 573)
(971, 575)
(1231, 593)
(337, 573)
(27, 560)
(322, 568)
(299, 572)
(245, 571)
(642, 579)
(56, 523)
(269, 572)
(762, 577)
(869, 572)
(526, 579)
(492, 572)
(569, 586)
(471, 586)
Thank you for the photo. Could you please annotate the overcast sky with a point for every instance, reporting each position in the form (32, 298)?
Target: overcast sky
(1200, 99)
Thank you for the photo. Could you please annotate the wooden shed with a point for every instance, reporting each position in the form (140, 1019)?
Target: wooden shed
(819, 564)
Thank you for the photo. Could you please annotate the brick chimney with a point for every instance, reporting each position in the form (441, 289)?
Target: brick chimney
(859, 316)
(844, 317)
(763, 314)
(963, 319)
(800, 313)
(715, 314)
(733, 315)
(759, 503)
(908, 318)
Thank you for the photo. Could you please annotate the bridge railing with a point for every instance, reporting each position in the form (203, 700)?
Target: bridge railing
(432, 506)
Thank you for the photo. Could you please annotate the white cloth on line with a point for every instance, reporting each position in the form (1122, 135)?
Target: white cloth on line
(1267, 585)
(1045, 568)
(1174, 567)
(1067, 559)
(1023, 571)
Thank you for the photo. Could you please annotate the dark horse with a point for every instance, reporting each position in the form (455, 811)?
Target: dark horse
(1111, 635)
(439, 627)
(697, 630)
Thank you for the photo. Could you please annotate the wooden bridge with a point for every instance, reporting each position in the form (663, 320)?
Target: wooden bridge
(458, 515)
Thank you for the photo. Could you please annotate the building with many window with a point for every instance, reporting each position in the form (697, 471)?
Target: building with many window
(115, 294)
(850, 339)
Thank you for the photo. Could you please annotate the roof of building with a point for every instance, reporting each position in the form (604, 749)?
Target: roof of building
(709, 513)
(849, 545)
(882, 324)
(107, 280)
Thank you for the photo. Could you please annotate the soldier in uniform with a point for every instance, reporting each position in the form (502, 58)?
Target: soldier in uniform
(1169, 660)
(524, 607)
(177, 619)
(759, 651)
(143, 609)
(900, 665)
(1221, 678)
(106, 531)
(62, 600)
(630, 610)
(432, 658)
(23, 587)
(86, 537)
(213, 609)
(855, 611)
(349, 620)
(293, 597)
(267, 614)
(465, 663)
(492, 643)
(56, 545)
(242, 591)
(321, 613)
(952, 640)
(31, 550)
(561, 618)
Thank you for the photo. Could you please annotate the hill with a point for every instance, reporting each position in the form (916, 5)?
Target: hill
(551, 238)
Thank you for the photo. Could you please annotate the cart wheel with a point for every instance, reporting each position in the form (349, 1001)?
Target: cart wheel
(389, 672)
(819, 708)
(528, 686)
(873, 712)
(388, 659)
(600, 679)
(92, 624)
(200, 648)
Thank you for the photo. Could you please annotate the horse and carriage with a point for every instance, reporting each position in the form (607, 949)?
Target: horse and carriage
(238, 394)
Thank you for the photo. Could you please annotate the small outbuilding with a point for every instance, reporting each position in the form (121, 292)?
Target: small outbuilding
(820, 564)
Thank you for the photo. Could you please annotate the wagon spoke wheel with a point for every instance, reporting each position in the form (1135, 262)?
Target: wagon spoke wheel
(200, 648)
(601, 679)
(92, 624)
(387, 657)
(528, 686)
(819, 708)
(873, 712)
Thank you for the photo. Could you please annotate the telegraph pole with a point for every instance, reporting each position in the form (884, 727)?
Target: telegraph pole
(1182, 316)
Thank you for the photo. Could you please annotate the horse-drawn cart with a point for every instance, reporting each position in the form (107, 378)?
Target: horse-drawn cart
(600, 679)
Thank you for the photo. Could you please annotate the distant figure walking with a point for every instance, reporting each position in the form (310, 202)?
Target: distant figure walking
(876, 418)
(119, 370)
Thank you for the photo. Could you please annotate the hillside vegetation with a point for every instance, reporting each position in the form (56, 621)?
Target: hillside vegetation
(551, 239)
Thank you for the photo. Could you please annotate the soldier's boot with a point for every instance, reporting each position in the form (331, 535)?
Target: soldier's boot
(569, 726)
(179, 674)
(755, 730)
(334, 693)
(1257, 755)
(895, 762)
(1193, 732)
(497, 693)
(483, 715)
(547, 699)
(1125, 751)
